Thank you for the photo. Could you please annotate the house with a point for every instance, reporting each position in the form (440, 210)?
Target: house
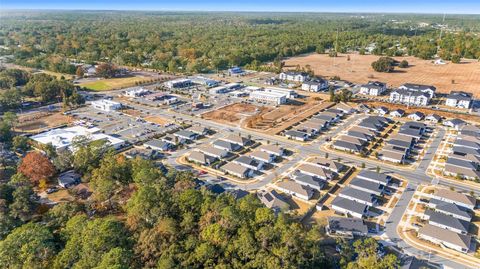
(297, 190)
(263, 156)
(446, 222)
(315, 171)
(237, 139)
(374, 177)
(434, 118)
(450, 209)
(214, 152)
(353, 140)
(146, 154)
(237, 170)
(199, 130)
(367, 186)
(459, 99)
(409, 97)
(428, 89)
(397, 113)
(392, 154)
(69, 179)
(201, 158)
(416, 116)
(215, 188)
(225, 145)
(346, 146)
(449, 239)
(296, 135)
(347, 109)
(349, 207)
(381, 110)
(173, 139)
(403, 141)
(308, 180)
(273, 200)
(461, 168)
(365, 131)
(365, 136)
(328, 164)
(236, 71)
(454, 197)
(106, 105)
(249, 162)
(159, 145)
(273, 149)
(294, 76)
(187, 135)
(316, 85)
(346, 227)
(238, 193)
(375, 88)
(355, 195)
(456, 124)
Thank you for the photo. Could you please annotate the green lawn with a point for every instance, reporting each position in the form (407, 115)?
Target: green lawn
(112, 83)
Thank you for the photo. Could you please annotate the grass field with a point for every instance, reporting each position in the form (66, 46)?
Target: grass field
(113, 83)
(465, 76)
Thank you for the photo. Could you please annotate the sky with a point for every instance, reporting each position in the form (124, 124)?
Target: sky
(394, 6)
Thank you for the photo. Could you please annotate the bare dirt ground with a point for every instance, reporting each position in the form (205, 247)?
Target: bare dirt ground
(232, 114)
(157, 120)
(466, 75)
(35, 122)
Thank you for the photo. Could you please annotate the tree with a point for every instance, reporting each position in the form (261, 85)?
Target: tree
(106, 70)
(456, 58)
(368, 258)
(113, 172)
(21, 143)
(403, 64)
(63, 161)
(22, 206)
(36, 166)
(383, 64)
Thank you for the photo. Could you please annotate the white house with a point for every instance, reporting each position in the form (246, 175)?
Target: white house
(459, 99)
(315, 85)
(428, 89)
(293, 188)
(416, 116)
(409, 97)
(293, 76)
(106, 105)
(449, 239)
(373, 88)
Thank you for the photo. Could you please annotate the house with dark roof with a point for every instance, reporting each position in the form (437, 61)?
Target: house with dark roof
(461, 168)
(69, 179)
(459, 99)
(381, 110)
(375, 177)
(433, 118)
(349, 207)
(374, 88)
(355, 195)
(308, 180)
(446, 222)
(470, 130)
(296, 135)
(159, 145)
(456, 124)
(360, 135)
(346, 146)
(187, 135)
(393, 154)
(346, 227)
(443, 237)
(416, 116)
(249, 162)
(397, 113)
(328, 164)
(367, 186)
(225, 145)
(273, 200)
(450, 209)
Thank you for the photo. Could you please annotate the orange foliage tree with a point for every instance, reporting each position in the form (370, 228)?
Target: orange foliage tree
(36, 166)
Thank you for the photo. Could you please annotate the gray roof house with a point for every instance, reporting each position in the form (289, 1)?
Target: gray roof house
(346, 146)
(212, 151)
(249, 162)
(470, 130)
(237, 170)
(355, 195)
(236, 139)
(346, 227)
(263, 156)
(374, 177)
(457, 124)
(199, 157)
(367, 186)
(433, 118)
(159, 145)
(273, 200)
(316, 171)
(273, 149)
(328, 164)
(349, 207)
(69, 179)
(439, 236)
(450, 209)
(308, 180)
(462, 168)
(295, 189)
(296, 135)
(447, 222)
(360, 135)
(454, 197)
(185, 134)
(225, 145)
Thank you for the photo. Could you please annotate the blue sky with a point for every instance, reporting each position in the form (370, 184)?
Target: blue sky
(415, 6)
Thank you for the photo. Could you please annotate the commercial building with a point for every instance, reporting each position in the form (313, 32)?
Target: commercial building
(269, 97)
(136, 92)
(106, 105)
(178, 83)
(62, 138)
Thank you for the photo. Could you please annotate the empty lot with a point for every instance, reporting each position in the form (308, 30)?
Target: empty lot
(359, 70)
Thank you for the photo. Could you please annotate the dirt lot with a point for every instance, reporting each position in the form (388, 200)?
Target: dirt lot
(232, 114)
(35, 122)
(359, 70)
(157, 120)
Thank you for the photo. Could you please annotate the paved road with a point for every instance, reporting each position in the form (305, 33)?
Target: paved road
(415, 177)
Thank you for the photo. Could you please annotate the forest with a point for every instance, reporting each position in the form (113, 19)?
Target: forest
(205, 42)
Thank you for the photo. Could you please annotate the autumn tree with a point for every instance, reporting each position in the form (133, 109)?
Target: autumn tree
(106, 70)
(36, 166)
(79, 73)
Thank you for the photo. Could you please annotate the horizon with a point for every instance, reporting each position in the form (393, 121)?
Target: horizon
(461, 7)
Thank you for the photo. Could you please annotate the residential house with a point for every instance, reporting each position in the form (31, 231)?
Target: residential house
(297, 190)
(416, 116)
(454, 197)
(349, 207)
(447, 222)
(409, 97)
(237, 139)
(273, 200)
(381, 110)
(173, 139)
(294, 76)
(346, 146)
(470, 130)
(201, 158)
(314, 170)
(296, 135)
(328, 164)
(456, 124)
(237, 170)
(316, 85)
(263, 156)
(273, 149)
(375, 88)
(450, 209)
(308, 180)
(159, 145)
(365, 136)
(459, 99)
(199, 130)
(230, 147)
(355, 195)
(462, 168)
(443, 237)
(375, 177)
(187, 135)
(428, 89)
(346, 227)
(214, 152)
(367, 186)
(69, 179)
(249, 162)
(397, 113)
(392, 154)
(434, 118)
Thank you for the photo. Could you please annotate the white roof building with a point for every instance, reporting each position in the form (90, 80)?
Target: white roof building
(63, 138)
(106, 105)
(270, 97)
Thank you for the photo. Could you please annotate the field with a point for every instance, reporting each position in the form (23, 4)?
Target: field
(232, 114)
(466, 75)
(113, 83)
(157, 120)
(35, 122)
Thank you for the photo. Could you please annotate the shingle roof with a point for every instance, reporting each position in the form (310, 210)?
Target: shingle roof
(374, 176)
(359, 195)
(364, 184)
(447, 220)
(453, 238)
(349, 205)
(456, 196)
(295, 187)
(347, 225)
